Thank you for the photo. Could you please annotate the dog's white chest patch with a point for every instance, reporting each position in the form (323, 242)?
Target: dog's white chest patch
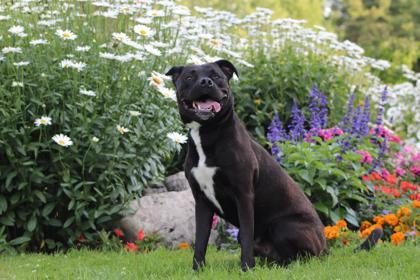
(203, 173)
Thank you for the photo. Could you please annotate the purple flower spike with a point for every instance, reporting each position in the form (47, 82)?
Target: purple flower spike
(276, 131)
(297, 129)
(364, 129)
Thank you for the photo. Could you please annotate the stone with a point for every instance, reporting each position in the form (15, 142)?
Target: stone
(154, 189)
(171, 215)
(177, 182)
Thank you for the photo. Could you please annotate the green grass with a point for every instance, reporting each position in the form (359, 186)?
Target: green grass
(385, 262)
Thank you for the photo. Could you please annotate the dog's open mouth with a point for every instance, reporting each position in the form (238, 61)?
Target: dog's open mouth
(203, 106)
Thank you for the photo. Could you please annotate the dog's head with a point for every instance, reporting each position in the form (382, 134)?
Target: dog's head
(203, 91)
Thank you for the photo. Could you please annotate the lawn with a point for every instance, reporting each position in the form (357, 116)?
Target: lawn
(384, 262)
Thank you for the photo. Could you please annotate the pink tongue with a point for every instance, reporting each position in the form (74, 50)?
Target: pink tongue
(208, 105)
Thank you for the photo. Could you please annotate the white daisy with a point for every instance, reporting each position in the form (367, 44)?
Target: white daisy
(134, 113)
(87, 92)
(95, 139)
(151, 49)
(11, 50)
(155, 13)
(66, 34)
(156, 80)
(21, 63)
(82, 48)
(177, 137)
(167, 92)
(143, 30)
(17, 84)
(16, 29)
(120, 36)
(2, 17)
(122, 129)
(38, 42)
(62, 140)
(43, 121)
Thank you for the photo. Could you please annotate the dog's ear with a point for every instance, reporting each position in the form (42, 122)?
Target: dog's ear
(174, 72)
(227, 68)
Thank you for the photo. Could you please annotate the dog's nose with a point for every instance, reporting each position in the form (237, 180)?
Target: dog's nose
(206, 82)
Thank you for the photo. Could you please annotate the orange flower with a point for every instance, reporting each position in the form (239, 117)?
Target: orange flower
(140, 235)
(365, 225)
(331, 232)
(118, 232)
(369, 230)
(184, 245)
(379, 220)
(391, 219)
(397, 238)
(416, 203)
(130, 246)
(375, 176)
(341, 224)
(403, 211)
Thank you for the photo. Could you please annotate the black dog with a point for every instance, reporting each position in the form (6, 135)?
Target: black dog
(233, 176)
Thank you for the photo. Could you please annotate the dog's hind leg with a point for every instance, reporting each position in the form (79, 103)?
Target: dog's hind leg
(295, 241)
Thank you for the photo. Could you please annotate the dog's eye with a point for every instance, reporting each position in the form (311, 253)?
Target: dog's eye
(188, 78)
(215, 77)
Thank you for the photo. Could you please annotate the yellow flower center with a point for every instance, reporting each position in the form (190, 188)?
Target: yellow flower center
(61, 142)
(157, 80)
(143, 32)
(66, 35)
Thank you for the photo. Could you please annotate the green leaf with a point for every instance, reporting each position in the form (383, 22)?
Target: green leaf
(68, 222)
(321, 207)
(3, 204)
(32, 223)
(304, 174)
(41, 196)
(333, 195)
(48, 209)
(19, 240)
(9, 178)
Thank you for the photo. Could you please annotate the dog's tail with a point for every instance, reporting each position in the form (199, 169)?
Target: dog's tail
(371, 240)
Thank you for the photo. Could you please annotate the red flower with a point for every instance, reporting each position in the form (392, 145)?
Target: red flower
(396, 193)
(365, 178)
(81, 238)
(391, 179)
(375, 176)
(130, 246)
(140, 235)
(118, 232)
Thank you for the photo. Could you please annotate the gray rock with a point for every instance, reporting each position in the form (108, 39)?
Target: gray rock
(171, 215)
(154, 189)
(176, 182)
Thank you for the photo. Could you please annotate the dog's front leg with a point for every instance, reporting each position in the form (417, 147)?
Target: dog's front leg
(245, 206)
(203, 220)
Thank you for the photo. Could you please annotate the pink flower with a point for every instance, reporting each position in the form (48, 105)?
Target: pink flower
(394, 138)
(214, 222)
(338, 131)
(384, 173)
(325, 134)
(366, 157)
(415, 170)
(416, 157)
(400, 171)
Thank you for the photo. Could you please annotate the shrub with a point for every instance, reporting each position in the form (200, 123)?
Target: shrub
(279, 79)
(116, 126)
